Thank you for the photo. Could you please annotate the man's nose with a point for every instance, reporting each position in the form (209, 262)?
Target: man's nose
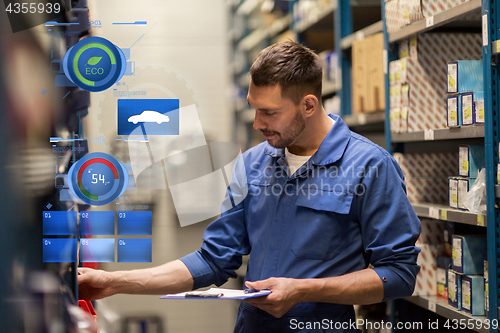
(258, 124)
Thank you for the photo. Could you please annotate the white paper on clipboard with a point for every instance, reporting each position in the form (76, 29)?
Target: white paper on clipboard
(224, 294)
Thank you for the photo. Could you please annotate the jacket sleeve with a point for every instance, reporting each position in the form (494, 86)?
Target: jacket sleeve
(389, 228)
(225, 240)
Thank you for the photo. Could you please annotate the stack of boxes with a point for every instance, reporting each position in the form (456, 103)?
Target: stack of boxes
(453, 271)
(471, 159)
(430, 243)
(303, 9)
(368, 80)
(466, 290)
(418, 80)
(400, 13)
(465, 101)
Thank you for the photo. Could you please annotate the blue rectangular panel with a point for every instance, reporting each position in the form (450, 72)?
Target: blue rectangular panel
(148, 117)
(135, 223)
(134, 250)
(59, 223)
(59, 249)
(97, 250)
(97, 223)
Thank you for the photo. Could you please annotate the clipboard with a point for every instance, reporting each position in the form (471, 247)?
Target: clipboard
(218, 293)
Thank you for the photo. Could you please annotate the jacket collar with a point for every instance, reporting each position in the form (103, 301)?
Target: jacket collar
(330, 150)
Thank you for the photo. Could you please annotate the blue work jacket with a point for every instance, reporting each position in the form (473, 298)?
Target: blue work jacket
(342, 210)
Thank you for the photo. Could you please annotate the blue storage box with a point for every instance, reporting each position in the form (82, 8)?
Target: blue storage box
(453, 192)
(453, 117)
(471, 159)
(473, 294)
(463, 187)
(443, 264)
(454, 289)
(466, 108)
(479, 107)
(465, 76)
(469, 253)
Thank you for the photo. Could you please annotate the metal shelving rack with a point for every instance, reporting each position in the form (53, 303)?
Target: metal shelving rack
(490, 132)
(339, 12)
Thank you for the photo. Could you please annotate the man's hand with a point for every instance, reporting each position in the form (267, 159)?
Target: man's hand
(93, 284)
(283, 297)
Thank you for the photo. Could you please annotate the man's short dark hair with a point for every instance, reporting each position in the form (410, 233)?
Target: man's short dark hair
(293, 66)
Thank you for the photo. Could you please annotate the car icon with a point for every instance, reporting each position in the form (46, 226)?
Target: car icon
(148, 116)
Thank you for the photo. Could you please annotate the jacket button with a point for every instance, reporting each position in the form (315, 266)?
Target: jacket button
(384, 279)
(387, 297)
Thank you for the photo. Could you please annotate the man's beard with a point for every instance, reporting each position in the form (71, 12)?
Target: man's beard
(288, 137)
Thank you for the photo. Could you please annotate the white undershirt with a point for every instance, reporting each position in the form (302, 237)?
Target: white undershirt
(296, 161)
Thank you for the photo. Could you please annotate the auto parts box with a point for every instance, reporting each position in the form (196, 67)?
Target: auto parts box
(468, 254)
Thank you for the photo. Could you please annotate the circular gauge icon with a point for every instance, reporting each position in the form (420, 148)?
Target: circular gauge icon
(97, 179)
(94, 64)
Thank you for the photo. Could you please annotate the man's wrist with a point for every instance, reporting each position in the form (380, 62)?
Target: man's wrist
(307, 290)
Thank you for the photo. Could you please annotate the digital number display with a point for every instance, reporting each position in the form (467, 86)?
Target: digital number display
(33, 7)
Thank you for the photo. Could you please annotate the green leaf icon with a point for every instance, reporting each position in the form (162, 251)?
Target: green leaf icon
(93, 61)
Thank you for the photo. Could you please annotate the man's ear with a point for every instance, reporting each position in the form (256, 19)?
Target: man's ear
(310, 104)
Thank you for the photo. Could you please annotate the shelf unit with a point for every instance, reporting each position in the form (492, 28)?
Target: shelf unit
(441, 307)
(339, 17)
(489, 132)
(469, 132)
(445, 213)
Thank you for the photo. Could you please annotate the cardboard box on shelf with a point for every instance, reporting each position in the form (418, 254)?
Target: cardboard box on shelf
(433, 7)
(367, 75)
(426, 175)
(469, 253)
(478, 107)
(393, 16)
(426, 283)
(449, 230)
(463, 187)
(404, 48)
(454, 118)
(427, 189)
(431, 232)
(473, 294)
(453, 192)
(454, 289)
(443, 264)
(359, 77)
(426, 75)
(465, 76)
(466, 108)
(471, 160)
(395, 118)
(376, 77)
(427, 164)
(403, 121)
